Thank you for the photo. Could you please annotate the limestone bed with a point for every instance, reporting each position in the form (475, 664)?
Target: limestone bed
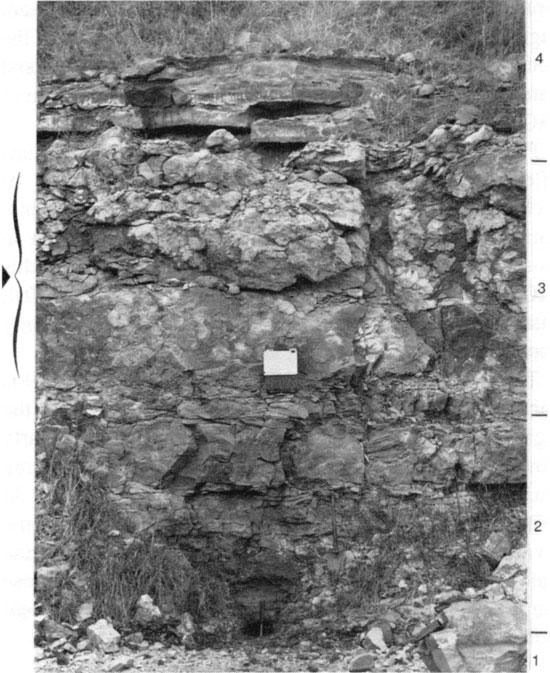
(171, 253)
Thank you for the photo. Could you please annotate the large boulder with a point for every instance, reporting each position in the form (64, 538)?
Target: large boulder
(475, 174)
(284, 233)
(342, 205)
(272, 250)
(486, 636)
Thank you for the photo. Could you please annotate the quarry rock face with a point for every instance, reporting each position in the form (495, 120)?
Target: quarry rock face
(168, 264)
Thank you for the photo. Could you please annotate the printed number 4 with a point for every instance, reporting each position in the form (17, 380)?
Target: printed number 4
(539, 58)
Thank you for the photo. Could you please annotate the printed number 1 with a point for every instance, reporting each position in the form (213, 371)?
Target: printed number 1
(536, 660)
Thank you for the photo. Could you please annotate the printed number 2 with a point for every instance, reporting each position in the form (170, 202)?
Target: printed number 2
(539, 58)
(538, 526)
(541, 288)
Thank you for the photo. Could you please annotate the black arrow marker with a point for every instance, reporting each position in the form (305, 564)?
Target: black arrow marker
(5, 276)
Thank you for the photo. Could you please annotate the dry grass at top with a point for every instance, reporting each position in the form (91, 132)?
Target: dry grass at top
(114, 34)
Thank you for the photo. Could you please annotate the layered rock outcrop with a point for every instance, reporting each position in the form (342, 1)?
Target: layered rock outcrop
(168, 263)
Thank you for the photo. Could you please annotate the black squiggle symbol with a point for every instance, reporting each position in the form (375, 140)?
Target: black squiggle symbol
(18, 237)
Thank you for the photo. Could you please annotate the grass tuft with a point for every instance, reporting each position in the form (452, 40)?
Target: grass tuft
(73, 524)
(432, 543)
(74, 35)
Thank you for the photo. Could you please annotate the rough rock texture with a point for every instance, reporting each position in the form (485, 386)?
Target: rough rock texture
(146, 610)
(166, 265)
(215, 92)
(103, 636)
(482, 636)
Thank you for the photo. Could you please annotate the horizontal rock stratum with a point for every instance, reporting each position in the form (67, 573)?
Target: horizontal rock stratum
(283, 101)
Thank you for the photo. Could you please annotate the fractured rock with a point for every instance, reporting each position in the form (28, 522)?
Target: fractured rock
(223, 140)
(103, 636)
(481, 135)
(391, 453)
(466, 114)
(152, 327)
(425, 90)
(407, 58)
(332, 454)
(146, 610)
(390, 344)
(297, 129)
(362, 661)
(185, 630)
(85, 611)
(505, 72)
(344, 157)
(512, 565)
(272, 250)
(375, 639)
(122, 663)
(332, 178)
(52, 631)
(165, 147)
(343, 206)
(164, 92)
(438, 139)
(203, 166)
(490, 636)
(473, 175)
(496, 546)
(48, 576)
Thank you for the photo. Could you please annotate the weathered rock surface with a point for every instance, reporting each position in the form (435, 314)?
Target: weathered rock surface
(482, 636)
(362, 662)
(167, 265)
(48, 576)
(172, 92)
(474, 175)
(344, 158)
(85, 611)
(122, 663)
(223, 140)
(332, 454)
(512, 565)
(146, 610)
(103, 636)
(496, 546)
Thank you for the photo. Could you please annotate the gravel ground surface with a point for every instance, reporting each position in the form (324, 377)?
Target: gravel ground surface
(245, 657)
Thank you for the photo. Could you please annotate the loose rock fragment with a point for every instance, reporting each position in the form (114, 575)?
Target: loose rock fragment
(103, 636)
(146, 610)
